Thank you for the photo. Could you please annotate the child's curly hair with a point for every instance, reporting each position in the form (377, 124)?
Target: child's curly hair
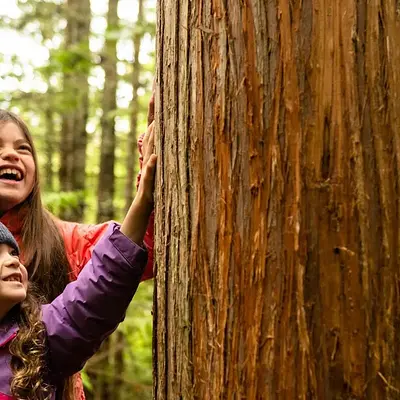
(29, 355)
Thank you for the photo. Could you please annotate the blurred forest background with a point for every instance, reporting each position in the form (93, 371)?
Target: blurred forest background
(80, 73)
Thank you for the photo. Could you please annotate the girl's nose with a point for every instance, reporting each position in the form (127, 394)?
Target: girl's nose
(9, 153)
(11, 262)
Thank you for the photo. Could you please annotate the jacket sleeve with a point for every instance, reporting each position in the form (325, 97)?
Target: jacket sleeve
(149, 235)
(91, 307)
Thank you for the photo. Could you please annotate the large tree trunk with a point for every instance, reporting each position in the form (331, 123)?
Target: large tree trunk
(76, 92)
(277, 219)
(106, 186)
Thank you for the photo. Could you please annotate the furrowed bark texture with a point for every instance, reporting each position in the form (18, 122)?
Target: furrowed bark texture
(277, 211)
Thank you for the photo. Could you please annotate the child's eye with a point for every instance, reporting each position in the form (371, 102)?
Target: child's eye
(14, 253)
(25, 147)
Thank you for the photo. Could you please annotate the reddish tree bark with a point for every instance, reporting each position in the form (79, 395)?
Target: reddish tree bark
(277, 220)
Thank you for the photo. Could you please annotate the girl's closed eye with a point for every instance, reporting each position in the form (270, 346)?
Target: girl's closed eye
(25, 147)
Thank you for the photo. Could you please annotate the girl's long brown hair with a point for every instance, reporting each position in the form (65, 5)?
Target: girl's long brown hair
(28, 353)
(44, 254)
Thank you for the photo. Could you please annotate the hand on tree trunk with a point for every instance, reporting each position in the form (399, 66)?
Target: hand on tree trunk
(144, 139)
(137, 218)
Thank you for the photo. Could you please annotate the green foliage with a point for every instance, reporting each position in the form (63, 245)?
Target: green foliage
(87, 383)
(77, 59)
(55, 202)
(113, 34)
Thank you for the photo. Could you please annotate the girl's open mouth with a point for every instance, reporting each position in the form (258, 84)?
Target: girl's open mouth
(10, 174)
(13, 278)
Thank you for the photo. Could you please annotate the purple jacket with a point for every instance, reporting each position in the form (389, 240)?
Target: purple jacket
(88, 310)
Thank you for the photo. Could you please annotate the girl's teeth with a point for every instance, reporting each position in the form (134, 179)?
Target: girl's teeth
(12, 279)
(11, 171)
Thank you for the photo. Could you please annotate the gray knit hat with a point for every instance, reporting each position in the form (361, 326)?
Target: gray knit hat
(7, 238)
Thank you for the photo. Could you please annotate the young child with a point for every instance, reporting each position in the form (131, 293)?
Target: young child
(41, 346)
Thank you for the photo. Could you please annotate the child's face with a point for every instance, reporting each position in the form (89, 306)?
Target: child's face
(13, 279)
(17, 166)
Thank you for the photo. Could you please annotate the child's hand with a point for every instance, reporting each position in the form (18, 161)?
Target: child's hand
(148, 167)
(136, 220)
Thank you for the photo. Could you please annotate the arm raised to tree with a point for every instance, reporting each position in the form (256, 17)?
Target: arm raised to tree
(143, 146)
(136, 220)
(90, 308)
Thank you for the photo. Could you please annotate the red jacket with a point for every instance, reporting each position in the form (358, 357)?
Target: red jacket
(80, 239)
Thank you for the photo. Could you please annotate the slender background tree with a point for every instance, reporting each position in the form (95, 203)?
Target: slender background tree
(76, 68)
(139, 32)
(106, 188)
